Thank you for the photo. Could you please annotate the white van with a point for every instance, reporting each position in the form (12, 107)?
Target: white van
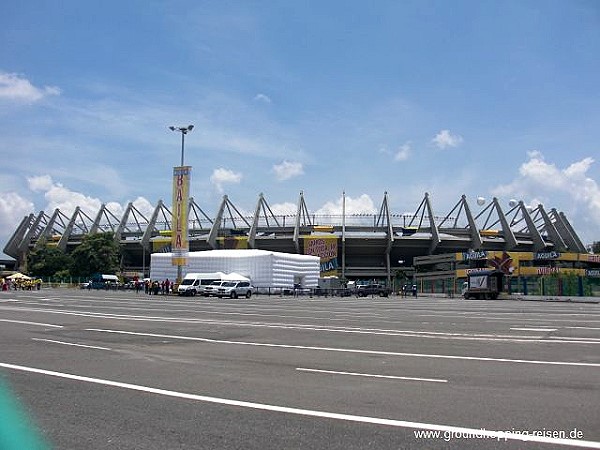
(195, 283)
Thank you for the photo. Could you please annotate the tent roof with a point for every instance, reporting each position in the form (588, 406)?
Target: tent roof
(245, 253)
(19, 276)
(233, 276)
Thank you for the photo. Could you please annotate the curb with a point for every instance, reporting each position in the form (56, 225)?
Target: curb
(557, 300)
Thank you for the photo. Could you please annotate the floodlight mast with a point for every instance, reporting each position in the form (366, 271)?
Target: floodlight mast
(183, 131)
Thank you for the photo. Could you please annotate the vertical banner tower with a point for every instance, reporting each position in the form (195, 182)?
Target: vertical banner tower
(179, 236)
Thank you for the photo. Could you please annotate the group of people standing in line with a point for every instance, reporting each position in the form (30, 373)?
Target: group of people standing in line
(24, 284)
(155, 287)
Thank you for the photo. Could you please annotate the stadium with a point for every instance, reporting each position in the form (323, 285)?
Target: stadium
(425, 247)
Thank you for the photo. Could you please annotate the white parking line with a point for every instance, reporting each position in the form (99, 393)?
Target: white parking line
(584, 340)
(347, 350)
(512, 319)
(535, 329)
(368, 375)
(583, 328)
(24, 322)
(70, 343)
(498, 435)
(330, 329)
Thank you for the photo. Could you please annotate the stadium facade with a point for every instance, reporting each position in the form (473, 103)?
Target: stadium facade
(386, 246)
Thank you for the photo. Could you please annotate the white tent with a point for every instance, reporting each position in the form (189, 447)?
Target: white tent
(18, 276)
(264, 268)
(234, 277)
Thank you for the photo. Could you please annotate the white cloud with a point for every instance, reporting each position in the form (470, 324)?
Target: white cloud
(403, 152)
(13, 208)
(105, 176)
(115, 208)
(144, 206)
(538, 171)
(65, 199)
(579, 169)
(446, 139)
(40, 183)
(286, 208)
(541, 182)
(13, 87)
(287, 170)
(360, 205)
(262, 98)
(61, 197)
(222, 176)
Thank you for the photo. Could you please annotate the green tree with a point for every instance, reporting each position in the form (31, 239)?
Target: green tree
(63, 275)
(97, 253)
(46, 261)
(596, 247)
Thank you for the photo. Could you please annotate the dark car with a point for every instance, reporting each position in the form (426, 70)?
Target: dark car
(364, 290)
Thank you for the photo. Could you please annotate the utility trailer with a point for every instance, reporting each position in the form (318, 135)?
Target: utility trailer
(487, 284)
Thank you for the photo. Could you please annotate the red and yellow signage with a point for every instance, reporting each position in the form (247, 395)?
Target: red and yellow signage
(326, 248)
(511, 262)
(179, 239)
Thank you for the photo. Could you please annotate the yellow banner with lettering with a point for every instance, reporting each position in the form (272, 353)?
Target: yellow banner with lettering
(326, 248)
(179, 239)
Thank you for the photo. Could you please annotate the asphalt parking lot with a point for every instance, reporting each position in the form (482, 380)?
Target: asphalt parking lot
(101, 370)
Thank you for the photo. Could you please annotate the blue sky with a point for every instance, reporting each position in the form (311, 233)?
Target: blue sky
(482, 98)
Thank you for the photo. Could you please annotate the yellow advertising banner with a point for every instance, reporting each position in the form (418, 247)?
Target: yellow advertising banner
(326, 248)
(179, 239)
(233, 242)
(510, 262)
(590, 258)
(530, 271)
(160, 244)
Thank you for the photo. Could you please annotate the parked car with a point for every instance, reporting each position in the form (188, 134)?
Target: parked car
(211, 289)
(363, 290)
(234, 289)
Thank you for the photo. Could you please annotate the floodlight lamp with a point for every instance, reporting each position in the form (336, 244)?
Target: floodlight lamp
(172, 128)
(190, 127)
